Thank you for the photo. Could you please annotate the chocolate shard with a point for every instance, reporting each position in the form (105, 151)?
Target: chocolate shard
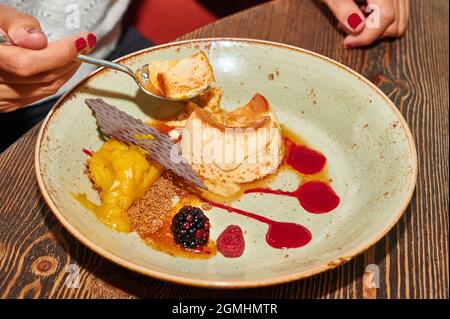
(118, 124)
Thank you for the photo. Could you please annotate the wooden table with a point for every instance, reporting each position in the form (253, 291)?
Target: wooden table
(413, 258)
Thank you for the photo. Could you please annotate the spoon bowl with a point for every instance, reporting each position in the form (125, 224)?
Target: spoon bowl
(141, 76)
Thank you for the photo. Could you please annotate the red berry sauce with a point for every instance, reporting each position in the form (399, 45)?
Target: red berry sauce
(303, 159)
(314, 195)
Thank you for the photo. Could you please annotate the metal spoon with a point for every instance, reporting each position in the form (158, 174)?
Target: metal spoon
(141, 76)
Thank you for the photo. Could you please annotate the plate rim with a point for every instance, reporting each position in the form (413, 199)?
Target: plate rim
(192, 281)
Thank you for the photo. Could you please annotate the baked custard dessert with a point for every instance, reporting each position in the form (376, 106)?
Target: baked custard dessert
(238, 147)
(178, 79)
(234, 153)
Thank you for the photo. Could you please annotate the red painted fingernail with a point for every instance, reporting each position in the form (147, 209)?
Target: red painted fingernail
(348, 46)
(80, 44)
(92, 40)
(354, 20)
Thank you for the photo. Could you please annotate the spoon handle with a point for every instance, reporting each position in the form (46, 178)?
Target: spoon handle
(6, 40)
(105, 63)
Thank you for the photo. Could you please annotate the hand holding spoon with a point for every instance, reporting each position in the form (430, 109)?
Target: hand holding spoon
(141, 76)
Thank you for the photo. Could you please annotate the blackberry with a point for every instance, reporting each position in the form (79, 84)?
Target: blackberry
(190, 228)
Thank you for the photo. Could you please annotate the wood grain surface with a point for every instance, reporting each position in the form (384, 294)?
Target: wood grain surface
(413, 258)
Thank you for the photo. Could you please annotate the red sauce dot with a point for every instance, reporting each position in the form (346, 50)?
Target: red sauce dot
(317, 197)
(287, 235)
(303, 159)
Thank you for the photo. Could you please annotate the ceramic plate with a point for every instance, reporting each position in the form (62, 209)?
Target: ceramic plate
(370, 154)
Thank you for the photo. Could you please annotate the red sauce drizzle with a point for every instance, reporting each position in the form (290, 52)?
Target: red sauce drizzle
(303, 159)
(88, 152)
(280, 234)
(315, 197)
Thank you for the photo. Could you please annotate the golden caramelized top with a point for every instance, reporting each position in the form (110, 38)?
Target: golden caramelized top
(179, 79)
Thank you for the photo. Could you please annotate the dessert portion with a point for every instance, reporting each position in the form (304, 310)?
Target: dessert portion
(180, 79)
(235, 153)
(228, 149)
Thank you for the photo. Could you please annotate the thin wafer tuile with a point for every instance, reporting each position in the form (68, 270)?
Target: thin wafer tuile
(118, 124)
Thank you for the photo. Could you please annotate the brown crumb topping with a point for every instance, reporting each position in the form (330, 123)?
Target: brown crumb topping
(148, 214)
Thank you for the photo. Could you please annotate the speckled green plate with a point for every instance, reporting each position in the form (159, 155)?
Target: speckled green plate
(371, 160)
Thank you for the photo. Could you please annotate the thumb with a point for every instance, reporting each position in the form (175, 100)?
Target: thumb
(24, 30)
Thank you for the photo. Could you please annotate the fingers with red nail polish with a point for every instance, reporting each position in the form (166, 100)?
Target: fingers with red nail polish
(354, 21)
(86, 43)
(382, 21)
(375, 19)
(34, 68)
(348, 14)
(92, 40)
(80, 44)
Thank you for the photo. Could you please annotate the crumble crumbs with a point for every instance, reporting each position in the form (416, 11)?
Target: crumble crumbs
(148, 214)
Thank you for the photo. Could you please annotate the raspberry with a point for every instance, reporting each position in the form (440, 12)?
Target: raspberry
(190, 227)
(231, 242)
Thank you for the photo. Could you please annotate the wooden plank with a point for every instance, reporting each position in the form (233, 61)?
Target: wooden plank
(35, 250)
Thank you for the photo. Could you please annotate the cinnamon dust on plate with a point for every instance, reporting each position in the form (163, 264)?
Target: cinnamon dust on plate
(148, 214)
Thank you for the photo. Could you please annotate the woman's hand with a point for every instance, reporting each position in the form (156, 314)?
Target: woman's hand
(385, 19)
(34, 69)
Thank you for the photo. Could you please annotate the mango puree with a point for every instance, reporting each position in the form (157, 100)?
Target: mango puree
(122, 174)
